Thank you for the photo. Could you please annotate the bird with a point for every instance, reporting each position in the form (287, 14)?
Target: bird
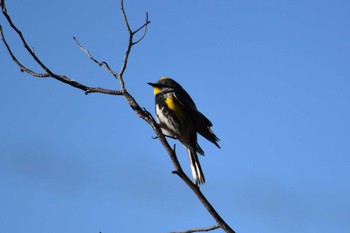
(178, 118)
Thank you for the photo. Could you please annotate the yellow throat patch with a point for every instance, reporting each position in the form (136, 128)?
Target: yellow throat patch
(156, 90)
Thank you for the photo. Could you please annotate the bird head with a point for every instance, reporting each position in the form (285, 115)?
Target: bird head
(164, 85)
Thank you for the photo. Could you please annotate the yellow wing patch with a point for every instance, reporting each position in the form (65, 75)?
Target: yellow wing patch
(173, 106)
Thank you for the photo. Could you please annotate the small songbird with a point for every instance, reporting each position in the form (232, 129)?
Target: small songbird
(179, 118)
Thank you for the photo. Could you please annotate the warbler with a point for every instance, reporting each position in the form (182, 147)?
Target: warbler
(179, 118)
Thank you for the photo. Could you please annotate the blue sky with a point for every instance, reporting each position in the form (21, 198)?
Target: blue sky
(272, 76)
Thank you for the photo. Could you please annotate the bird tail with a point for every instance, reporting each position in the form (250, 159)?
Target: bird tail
(197, 173)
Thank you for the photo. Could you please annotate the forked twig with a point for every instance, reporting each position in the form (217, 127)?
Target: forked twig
(145, 25)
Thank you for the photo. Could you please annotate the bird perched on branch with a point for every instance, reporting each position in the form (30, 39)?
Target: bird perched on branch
(179, 118)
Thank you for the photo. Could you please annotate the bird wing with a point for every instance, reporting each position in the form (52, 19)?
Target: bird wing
(201, 123)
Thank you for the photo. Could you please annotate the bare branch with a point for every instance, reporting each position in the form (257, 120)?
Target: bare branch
(145, 25)
(199, 229)
(31, 52)
(48, 73)
(103, 91)
(130, 42)
(128, 49)
(103, 64)
(21, 67)
(124, 16)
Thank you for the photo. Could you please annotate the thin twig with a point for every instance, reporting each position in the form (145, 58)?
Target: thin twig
(145, 25)
(128, 48)
(21, 67)
(103, 64)
(199, 229)
(124, 16)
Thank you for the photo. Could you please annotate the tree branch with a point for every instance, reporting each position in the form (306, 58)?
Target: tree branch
(199, 229)
(48, 73)
(145, 25)
(140, 112)
(21, 67)
(103, 64)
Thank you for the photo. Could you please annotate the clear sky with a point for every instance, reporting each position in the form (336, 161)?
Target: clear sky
(273, 77)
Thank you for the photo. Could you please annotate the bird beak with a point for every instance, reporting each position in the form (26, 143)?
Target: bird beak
(152, 84)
